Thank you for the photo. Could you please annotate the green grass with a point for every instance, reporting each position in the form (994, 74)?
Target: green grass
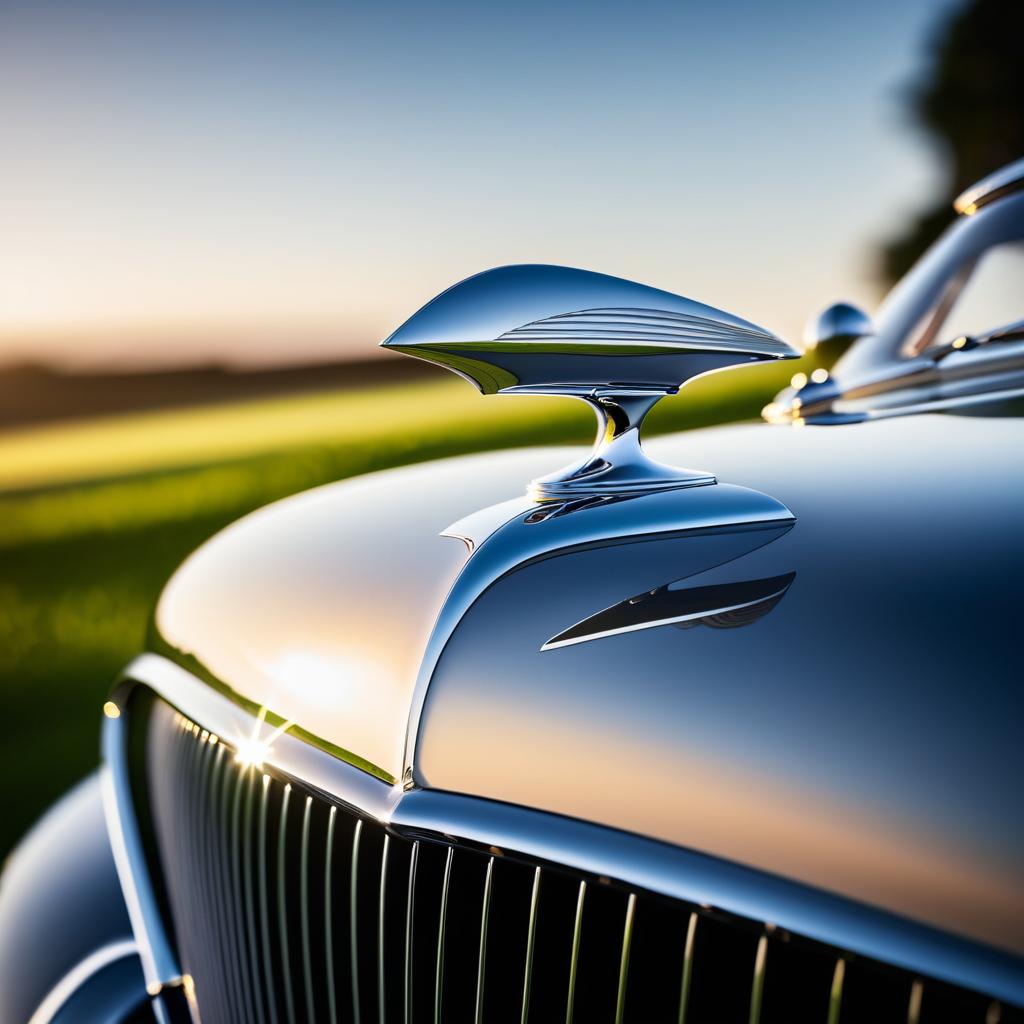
(95, 516)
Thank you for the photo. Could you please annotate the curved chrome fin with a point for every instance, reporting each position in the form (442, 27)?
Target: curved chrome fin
(618, 345)
(719, 606)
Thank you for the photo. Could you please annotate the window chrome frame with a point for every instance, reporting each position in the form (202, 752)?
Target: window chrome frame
(914, 298)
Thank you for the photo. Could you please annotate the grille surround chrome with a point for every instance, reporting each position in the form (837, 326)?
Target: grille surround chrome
(630, 861)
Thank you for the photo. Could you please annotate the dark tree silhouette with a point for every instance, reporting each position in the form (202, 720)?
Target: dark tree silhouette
(971, 105)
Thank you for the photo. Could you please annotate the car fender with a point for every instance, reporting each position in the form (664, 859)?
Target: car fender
(66, 944)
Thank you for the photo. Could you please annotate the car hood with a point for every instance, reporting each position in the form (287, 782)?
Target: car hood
(836, 700)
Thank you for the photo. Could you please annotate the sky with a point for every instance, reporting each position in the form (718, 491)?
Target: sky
(259, 183)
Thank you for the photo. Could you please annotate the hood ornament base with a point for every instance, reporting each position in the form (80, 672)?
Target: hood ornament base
(617, 464)
(615, 344)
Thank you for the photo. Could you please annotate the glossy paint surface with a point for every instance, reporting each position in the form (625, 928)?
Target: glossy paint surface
(60, 903)
(319, 607)
(859, 734)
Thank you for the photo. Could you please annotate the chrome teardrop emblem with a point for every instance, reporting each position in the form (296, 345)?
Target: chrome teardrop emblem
(615, 344)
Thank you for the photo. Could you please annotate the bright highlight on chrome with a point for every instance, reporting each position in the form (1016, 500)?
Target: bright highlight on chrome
(253, 750)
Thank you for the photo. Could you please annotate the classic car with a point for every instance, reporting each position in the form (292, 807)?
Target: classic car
(484, 740)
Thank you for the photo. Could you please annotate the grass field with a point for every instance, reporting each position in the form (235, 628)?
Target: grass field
(95, 516)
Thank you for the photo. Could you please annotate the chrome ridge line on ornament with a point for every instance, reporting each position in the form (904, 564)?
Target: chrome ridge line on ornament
(615, 344)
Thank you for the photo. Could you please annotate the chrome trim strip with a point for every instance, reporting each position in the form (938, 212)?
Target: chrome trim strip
(159, 962)
(941, 404)
(632, 860)
(71, 982)
(316, 768)
(988, 373)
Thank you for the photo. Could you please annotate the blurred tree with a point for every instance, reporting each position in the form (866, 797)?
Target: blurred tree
(971, 105)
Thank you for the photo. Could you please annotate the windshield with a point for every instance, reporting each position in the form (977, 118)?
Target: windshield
(970, 282)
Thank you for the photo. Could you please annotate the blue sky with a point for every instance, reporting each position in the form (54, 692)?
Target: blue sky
(272, 181)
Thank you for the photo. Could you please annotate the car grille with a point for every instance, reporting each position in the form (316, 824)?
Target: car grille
(288, 907)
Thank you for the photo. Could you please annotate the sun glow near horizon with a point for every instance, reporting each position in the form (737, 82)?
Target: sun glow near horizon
(253, 183)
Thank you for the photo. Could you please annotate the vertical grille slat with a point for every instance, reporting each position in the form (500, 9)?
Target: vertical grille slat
(684, 985)
(248, 991)
(307, 946)
(268, 971)
(442, 918)
(481, 964)
(289, 907)
(202, 907)
(530, 939)
(332, 1001)
(600, 954)
(627, 938)
(248, 884)
(575, 956)
(757, 985)
(914, 1007)
(282, 905)
(409, 911)
(221, 983)
(835, 1000)
(189, 764)
(224, 855)
(354, 922)
(381, 932)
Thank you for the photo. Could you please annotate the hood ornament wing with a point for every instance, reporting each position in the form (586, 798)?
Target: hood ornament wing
(615, 344)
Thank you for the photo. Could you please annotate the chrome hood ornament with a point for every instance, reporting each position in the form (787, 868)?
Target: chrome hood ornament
(615, 344)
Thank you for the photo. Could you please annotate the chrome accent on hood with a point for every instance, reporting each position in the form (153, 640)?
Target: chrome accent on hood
(512, 536)
(615, 344)
(722, 606)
